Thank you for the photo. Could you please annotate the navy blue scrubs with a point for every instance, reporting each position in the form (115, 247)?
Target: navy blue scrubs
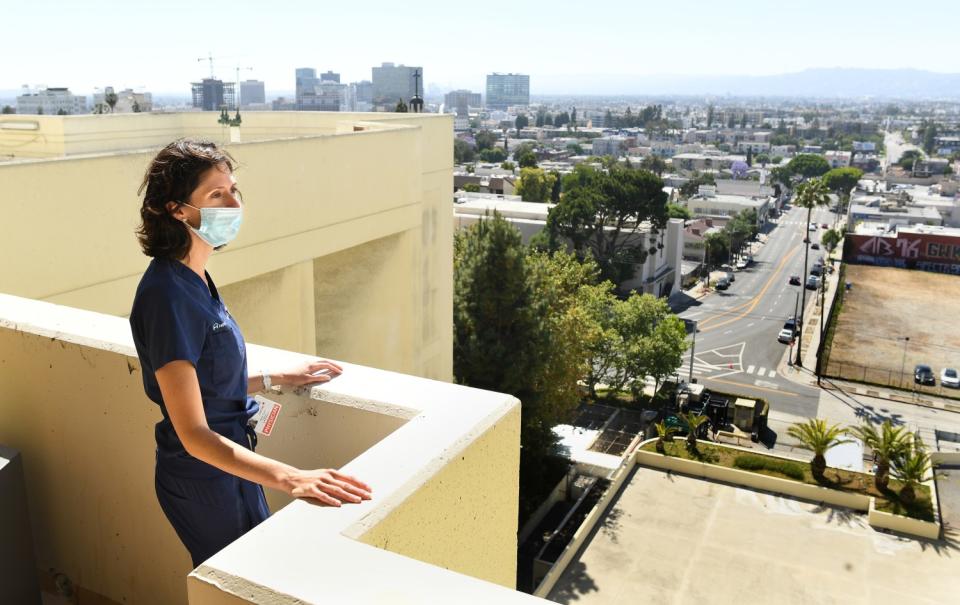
(176, 317)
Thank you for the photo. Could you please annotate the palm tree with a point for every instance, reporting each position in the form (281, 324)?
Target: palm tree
(910, 468)
(816, 436)
(693, 422)
(664, 432)
(887, 443)
(810, 194)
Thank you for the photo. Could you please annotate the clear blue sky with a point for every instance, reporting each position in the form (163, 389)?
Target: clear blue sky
(155, 45)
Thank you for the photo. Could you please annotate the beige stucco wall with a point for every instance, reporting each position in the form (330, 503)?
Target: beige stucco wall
(437, 523)
(324, 192)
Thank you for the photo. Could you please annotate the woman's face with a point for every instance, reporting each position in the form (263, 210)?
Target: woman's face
(217, 189)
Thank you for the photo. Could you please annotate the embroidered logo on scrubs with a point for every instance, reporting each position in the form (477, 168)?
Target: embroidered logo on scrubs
(219, 327)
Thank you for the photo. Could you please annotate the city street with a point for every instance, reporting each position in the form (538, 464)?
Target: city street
(736, 342)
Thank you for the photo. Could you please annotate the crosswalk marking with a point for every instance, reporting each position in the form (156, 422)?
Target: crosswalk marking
(750, 369)
(772, 374)
(762, 372)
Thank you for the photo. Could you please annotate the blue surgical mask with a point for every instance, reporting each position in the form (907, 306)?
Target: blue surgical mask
(218, 226)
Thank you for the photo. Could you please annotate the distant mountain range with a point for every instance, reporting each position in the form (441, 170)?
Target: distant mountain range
(820, 82)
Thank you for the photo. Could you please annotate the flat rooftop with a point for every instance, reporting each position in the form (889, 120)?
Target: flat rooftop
(668, 538)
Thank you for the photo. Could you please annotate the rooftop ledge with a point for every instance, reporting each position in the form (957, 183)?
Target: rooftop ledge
(442, 460)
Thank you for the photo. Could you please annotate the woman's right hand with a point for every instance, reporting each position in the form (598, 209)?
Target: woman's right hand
(328, 487)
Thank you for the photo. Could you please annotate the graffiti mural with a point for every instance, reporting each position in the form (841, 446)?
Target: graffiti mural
(924, 251)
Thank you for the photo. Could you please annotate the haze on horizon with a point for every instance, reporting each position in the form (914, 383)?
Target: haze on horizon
(566, 47)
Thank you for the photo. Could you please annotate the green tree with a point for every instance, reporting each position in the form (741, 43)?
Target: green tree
(462, 152)
(743, 120)
(816, 436)
(401, 107)
(763, 158)
(110, 98)
(508, 165)
(62, 112)
(485, 139)
(741, 229)
(842, 181)
(575, 148)
(809, 165)
(521, 122)
(663, 342)
(604, 213)
(810, 194)
(527, 159)
(911, 468)
(7, 109)
(732, 121)
(749, 156)
(548, 121)
(716, 248)
(887, 444)
(535, 185)
(135, 108)
(692, 423)
(908, 158)
(830, 239)
(664, 433)
(471, 187)
(692, 186)
(654, 164)
(930, 138)
(678, 211)
(522, 148)
(709, 116)
(493, 154)
(541, 117)
(557, 186)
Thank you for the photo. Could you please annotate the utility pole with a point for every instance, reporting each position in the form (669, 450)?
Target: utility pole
(903, 361)
(693, 349)
(796, 303)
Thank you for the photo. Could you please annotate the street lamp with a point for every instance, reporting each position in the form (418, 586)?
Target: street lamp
(903, 361)
(693, 348)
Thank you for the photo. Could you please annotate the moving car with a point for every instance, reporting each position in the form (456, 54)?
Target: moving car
(813, 282)
(949, 378)
(922, 374)
(723, 283)
(794, 280)
(812, 227)
(814, 246)
(824, 226)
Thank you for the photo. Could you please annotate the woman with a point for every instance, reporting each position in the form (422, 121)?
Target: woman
(208, 478)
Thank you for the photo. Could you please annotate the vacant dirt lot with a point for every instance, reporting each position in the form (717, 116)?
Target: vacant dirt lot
(886, 306)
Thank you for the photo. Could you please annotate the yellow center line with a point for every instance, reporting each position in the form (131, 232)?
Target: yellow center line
(753, 302)
(750, 386)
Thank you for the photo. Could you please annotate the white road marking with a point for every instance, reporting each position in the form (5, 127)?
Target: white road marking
(750, 325)
(750, 369)
(766, 384)
(772, 374)
(762, 372)
(727, 332)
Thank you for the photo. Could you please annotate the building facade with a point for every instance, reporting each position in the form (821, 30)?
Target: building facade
(211, 94)
(127, 101)
(504, 90)
(461, 101)
(395, 83)
(51, 101)
(252, 93)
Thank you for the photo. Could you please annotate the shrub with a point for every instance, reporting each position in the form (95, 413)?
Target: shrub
(750, 462)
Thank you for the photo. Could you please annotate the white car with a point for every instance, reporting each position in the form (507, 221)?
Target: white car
(949, 378)
(812, 227)
(785, 336)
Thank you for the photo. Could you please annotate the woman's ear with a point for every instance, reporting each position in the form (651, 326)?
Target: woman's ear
(175, 209)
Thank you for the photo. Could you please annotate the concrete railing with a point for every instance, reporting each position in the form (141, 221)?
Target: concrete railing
(442, 460)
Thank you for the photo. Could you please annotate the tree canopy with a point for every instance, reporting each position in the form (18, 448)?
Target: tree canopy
(842, 180)
(485, 139)
(601, 213)
(535, 185)
(809, 165)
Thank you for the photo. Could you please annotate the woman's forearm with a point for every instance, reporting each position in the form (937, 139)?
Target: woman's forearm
(216, 450)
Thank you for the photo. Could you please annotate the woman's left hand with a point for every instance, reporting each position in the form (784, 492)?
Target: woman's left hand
(321, 370)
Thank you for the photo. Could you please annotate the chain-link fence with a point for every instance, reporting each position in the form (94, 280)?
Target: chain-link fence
(886, 377)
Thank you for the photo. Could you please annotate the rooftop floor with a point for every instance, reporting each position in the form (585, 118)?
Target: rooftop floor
(673, 539)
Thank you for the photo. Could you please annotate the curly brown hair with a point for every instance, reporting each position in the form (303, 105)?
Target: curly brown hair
(172, 176)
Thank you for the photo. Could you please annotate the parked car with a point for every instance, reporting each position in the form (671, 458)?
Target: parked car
(813, 282)
(812, 227)
(824, 226)
(794, 280)
(742, 264)
(814, 246)
(816, 270)
(723, 283)
(923, 374)
(731, 276)
(949, 378)
(785, 336)
(790, 324)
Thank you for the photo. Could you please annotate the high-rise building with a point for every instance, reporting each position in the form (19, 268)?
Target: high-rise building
(330, 76)
(211, 94)
(504, 90)
(461, 101)
(252, 92)
(332, 96)
(393, 83)
(364, 91)
(51, 101)
(306, 89)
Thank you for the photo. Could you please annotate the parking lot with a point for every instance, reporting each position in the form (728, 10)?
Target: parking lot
(668, 538)
(883, 309)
